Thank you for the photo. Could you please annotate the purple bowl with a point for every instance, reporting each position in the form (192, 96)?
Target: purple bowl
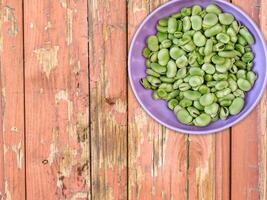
(158, 109)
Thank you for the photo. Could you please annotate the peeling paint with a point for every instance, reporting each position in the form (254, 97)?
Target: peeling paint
(76, 65)
(5, 148)
(10, 17)
(80, 195)
(31, 25)
(4, 95)
(47, 58)
(69, 22)
(68, 162)
(63, 95)
(14, 129)
(120, 106)
(48, 26)
(53, 147)
(19, 154)
(7, 192)
(63, 3)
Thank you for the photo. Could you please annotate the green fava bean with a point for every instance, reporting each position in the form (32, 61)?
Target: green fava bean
(225, 103)
(251, 77)
(163, 57)
(173, 95)
(165, 79)
(193, 111)
(221, 85)
(232, 85)
(223, 92)
(158, 68)
(207, 99)
(219, 47)
(241, 74)
(241, 40)
(224, 67)
(177, 15)
(162, 93)
(181, 73)
(220, 77)
(239, 93)
(196, 22)
(189, 47)
(213, 9)
(145, 83)
(247, 35)
(209, 47)
(210, 20)
(231, 32)
(163, 22)
(166, 44)
(192, 95)
(172, 25)
(244, 84)
(162, 36)
(176, 52)
(186, 11)
(203, 89)
(195, 81)
(185, 103)
(229, 54)
(184, 87)
(177, 109)
(148, 64)
(198, 106)
(224, 113)
(166, 86)
(213, 30)
(236, 26)
(199, 39)
(152, 73)
(195, 71)
(172, 103)
(222, 37)
(240, 64)
(202, 120)
(182, 61)
(212, 109)
(196, 9)
(208, 77)
(178, 34)
(155, 95)
(146, 52)
(186, 24)
(162, 29)
(236, 106)
(171, 69)
(184, 117)
(226, 18)
(248, 57)
(153, 43)
(153, 81)
(218, 60)
(177, 83)
(154, 57)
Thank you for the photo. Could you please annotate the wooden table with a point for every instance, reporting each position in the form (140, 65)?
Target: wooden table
(72, 129)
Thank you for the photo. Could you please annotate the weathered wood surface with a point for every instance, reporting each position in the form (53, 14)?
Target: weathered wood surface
(71, 127)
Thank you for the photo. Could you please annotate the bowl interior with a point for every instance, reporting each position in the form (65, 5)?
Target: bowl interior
(158, 108)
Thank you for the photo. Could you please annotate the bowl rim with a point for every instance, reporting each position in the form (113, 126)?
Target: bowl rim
(197, 132)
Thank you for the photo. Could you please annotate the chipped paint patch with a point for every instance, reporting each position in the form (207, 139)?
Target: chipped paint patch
(53, 147)
(31, 25)
(7, 192)
(80, 195)
(4, 95)
(19, 154)
(76, 66)
(63, 3)
(68, 162)
(5, 148)
(14, 129)
(47, 58)
(48, 26)
(9, 16)
(69, 25)
(63, 95)
(120, 106)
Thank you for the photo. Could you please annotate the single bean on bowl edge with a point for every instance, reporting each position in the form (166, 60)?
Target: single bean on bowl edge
(200, 62)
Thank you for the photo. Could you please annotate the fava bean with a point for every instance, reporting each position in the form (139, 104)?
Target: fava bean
(153, 43)
(236, 106)
(184, 117)
(244, 84)
(171, 69)
(196, 22)
(226, 18)
(202, 120)
(192, 95)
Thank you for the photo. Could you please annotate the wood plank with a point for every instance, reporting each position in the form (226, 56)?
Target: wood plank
(245, 138)
(157, 156)
(262, 112)
(12, 97)
(108, 96)
(57, 99)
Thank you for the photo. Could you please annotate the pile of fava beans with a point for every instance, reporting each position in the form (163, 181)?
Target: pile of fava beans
(201, 62)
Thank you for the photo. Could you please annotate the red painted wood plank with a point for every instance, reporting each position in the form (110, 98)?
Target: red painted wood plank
(245, 139)
(12, 97)
(108, 96)
(57, 99)
(157, 156)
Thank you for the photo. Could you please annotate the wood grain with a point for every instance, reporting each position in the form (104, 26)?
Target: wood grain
(57, 99)
(12, 98)
(108, 96)
(246, 138)
(157, 157)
